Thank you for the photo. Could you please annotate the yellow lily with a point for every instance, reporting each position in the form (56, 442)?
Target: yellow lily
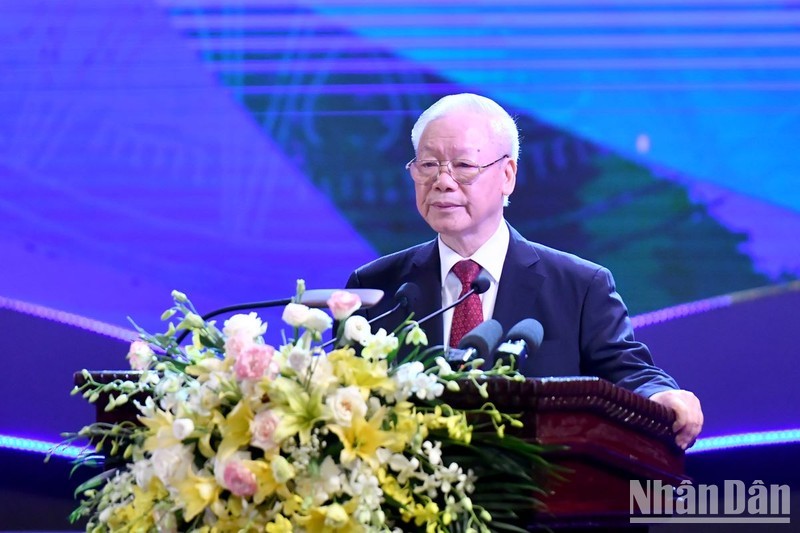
(299, 410)
(332, 518)
(280, 525)
(197, 492)
(235, 430)
(160, 426)
(363, 438)
(359, 372)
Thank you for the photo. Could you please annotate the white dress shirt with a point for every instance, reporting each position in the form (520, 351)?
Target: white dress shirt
(490, 256)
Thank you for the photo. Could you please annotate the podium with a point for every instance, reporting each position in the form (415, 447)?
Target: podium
(609, 436)
(603, 437)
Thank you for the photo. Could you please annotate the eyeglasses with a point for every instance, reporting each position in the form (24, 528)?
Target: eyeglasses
(463, 171)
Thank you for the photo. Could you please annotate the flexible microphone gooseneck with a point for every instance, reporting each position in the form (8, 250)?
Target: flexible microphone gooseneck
(317, 298)
(478, 286)
(406, 296)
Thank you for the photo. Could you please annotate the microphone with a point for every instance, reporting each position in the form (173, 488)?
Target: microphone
(316, 298)
(478, 286)
(522, 340)
(406, 296)
(481, 340)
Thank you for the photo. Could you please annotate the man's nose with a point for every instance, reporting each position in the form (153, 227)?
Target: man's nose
(445, 180)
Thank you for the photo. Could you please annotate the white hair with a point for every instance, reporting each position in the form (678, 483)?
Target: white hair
(500, 121)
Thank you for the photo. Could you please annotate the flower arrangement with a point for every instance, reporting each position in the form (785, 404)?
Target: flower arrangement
(236, 435)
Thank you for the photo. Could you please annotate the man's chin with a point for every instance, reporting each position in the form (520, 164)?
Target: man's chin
(447, 226)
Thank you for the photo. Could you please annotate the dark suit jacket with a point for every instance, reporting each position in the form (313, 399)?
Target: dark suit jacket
(587, 330)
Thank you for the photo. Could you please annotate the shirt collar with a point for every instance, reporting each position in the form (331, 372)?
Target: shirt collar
(490, 256)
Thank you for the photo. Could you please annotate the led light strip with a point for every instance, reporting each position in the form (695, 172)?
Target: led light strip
(710, 304)
(69, 319)
(762, 438)
(39, 446)
(709, 444)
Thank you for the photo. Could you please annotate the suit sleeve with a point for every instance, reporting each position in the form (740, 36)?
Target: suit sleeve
(608, 347)
(353, 281)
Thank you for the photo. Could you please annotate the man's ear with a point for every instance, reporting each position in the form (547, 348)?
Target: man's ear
(509, 177)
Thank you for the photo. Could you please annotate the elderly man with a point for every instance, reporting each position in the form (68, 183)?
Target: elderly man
(465, 168)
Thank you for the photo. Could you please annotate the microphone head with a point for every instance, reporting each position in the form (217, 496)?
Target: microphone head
(407, 295)
(484, 337)
(318, 298)
(529, 330)
(481, 283)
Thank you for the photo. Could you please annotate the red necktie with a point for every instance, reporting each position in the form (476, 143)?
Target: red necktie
(468, 313)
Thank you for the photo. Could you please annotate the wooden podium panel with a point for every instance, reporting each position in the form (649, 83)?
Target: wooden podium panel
(610, 437)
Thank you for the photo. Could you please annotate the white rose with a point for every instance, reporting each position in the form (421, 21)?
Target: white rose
(171, 463)
(182, 428)
(295, 314)
(248, 325)
(357, 329)
(322, 376)
(299, 359)
(142, 472)
(140, 355)
(317, 320)
(330, 476)
(347, 404)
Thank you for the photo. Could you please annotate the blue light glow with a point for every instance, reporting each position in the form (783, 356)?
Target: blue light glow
(39, 446)
(708, 444)
(745, 440)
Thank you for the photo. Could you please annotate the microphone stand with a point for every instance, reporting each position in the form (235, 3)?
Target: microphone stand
(313, 298)
(237, 307)
(443, 309)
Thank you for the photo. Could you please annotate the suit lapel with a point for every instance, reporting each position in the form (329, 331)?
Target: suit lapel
(520, 282)
(425, 272)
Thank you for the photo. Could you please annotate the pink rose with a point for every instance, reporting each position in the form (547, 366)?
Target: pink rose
(239, 479)
(254, 362)
(236, 344)
(263, 429)
(343, 304)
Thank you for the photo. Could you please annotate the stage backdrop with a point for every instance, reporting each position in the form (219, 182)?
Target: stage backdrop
(227, 148)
